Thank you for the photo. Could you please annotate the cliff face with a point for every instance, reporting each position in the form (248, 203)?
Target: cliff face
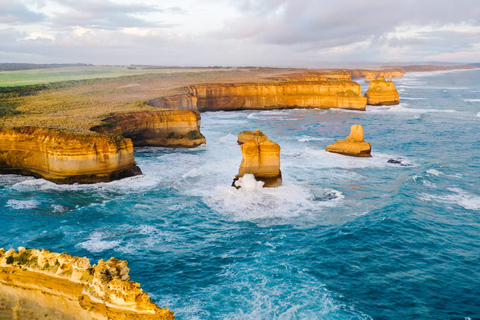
(38, 284)
(180, 101)
(342, 75)
(66, 157)
(353, 145)
(167, 128)
(263, 161)
(371, 75)
(321, 94)
(382, 93)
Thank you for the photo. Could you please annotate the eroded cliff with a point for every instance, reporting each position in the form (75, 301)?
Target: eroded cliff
(167, 128)
(263, 161)
(371, 75)
(382, 93)
(39, 284)
(256, 135)
(64, 157)
(245, 96)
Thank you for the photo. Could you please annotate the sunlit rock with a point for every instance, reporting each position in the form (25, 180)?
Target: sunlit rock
(353, 145)
(382, 93)
(256, 135)
(263, 161)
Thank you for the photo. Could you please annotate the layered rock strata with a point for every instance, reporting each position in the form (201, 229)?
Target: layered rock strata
(244, 96)
(166, 128)
(39, 284)
(256, 135)
(64, 157)
(382, 93)
(371, 75)
(353, 145)
(263, 161)
(180, 101)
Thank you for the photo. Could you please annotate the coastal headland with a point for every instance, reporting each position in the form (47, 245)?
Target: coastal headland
(84, 131)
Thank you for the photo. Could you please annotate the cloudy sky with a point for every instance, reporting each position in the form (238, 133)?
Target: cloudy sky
(239, 32)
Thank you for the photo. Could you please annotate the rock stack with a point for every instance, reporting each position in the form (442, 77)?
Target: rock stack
(382, 93)
(262, 159)
(353, 145)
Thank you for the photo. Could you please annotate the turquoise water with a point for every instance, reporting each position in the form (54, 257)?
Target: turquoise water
(343, 238)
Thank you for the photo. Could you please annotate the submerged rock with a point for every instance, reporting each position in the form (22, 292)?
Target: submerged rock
(353, 145)
(382, 93)
(263, 161)
(39, 284)
(256, 135)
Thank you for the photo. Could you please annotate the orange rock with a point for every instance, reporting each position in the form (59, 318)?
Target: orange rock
(64, 157)
(381, 93)
(38, 284)
(256, 135)
(165, 128)
(247, 96)
(263, 161)
(353, 145)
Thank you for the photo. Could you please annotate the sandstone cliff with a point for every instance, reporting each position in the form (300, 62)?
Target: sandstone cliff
(38, 284)
(382, 93)
(371, 75)
(353, 145)
(179, 101)
(167, 128)
(66, 157)
(245, 96)
(263, 161)
(256, 135)
(326, 75)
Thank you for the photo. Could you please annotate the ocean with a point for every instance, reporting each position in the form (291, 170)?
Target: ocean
(395, 236)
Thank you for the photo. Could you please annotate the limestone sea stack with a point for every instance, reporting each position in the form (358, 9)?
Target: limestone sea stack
(382, 93)
(263, 161)
(64, 157)
(39, 284)
(163, 128)
(353, 145)
(256, 135)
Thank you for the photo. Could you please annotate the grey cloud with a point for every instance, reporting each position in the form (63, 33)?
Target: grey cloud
(12, 12)
(107, 15)
(333, 23)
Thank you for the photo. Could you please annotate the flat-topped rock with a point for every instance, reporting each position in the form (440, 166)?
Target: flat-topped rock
(382, 93)
(263, 161)
(39, 284)
(256, 135)
(353, 145)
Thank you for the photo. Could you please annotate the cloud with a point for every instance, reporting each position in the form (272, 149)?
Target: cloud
(13, 12)
(108, 15)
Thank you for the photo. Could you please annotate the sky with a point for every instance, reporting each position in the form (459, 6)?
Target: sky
(295, 33)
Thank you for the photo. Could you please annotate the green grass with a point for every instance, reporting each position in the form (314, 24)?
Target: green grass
(40, 76)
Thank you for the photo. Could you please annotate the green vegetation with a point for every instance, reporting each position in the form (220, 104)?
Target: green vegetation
(8, 109)
(191, 135)
(49, 75)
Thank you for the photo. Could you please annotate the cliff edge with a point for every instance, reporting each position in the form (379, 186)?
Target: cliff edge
(39, 284)
(382, 93)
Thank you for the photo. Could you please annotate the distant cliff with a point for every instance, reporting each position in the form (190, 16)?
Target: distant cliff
(39, 284)
(250, 96)
(167, 128)
(371, 75)
(64, 157)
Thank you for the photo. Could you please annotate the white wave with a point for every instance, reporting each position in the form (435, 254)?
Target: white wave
(459, 197)
(407, 98)
(324, 159)
(429, 184)
(58, 208)
(97, 244)
(253, 202)
(478, 114)
(472, 100)
(310, 138)
(402, 109)
(434, 172)
(22, 204)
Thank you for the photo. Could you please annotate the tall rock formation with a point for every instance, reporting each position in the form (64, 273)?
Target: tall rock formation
(263, 161)
(353, 145)
(382, 93)
(64, 157)
(39, 284)
(284, 95)
(165, 128)
(256, 135)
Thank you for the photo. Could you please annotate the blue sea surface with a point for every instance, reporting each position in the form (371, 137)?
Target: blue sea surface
(342, 238)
